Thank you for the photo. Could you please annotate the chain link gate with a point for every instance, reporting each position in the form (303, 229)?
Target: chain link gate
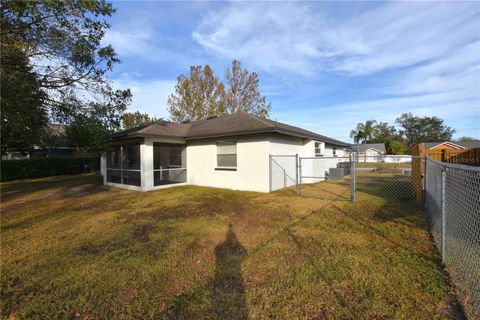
(327, 178)
(284, 172)
(396, 178)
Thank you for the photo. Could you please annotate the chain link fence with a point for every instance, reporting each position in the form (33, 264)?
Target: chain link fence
(283, 172)
(452, 203)
(393, 179)
(326, 177)
(450, 194)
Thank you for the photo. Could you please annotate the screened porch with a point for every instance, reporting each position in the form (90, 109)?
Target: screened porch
(145, 165)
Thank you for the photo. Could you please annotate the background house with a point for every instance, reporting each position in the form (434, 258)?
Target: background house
(467, 152)
(228, 151)
(448, 145)
(55, 146)
(371, 150)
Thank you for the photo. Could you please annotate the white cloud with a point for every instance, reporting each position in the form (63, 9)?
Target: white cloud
(138, 36)
(149, 96)
(302, 38)
(431, 49)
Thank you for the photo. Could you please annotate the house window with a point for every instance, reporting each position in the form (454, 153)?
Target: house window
(334, 151)
(318, 149)
(227, 154)
(123, 164)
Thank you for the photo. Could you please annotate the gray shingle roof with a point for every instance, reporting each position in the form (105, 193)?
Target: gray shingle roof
(362, 147)
(465, 144)
(221, 126)
(469, 144)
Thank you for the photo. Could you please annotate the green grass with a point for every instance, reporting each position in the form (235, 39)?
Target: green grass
(72, 248)
(381, 165)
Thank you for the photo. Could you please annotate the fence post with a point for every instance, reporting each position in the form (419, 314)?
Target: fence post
(443, 216)
(284, 178)
(425, 180)
(300, 174)
(269, 173)
(296, 173)
(353, 174)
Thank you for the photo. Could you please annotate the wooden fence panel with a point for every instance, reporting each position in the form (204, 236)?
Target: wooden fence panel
(418, 172)
(467, 157)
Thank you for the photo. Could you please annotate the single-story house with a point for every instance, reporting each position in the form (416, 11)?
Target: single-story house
(226, 151)
(57, 146)
(371, 149)
(448, 145)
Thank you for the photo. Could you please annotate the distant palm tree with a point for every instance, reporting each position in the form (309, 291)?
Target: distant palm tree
(363, 131)
(357, 136)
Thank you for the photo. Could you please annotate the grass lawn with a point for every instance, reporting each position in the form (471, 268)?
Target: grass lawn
(380, 165)
(72, 248)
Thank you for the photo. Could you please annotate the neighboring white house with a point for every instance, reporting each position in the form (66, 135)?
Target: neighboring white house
(372, 150)
(228, 151)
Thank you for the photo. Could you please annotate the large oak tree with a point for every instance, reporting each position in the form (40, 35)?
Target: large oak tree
(200, 94)
(58, 43)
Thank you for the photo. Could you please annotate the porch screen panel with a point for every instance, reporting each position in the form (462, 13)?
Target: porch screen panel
(114, 173)
(123, 164)
(168, 164)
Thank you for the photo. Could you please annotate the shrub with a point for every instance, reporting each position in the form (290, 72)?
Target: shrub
(45, 167)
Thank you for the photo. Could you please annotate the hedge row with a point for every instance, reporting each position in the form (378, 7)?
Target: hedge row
(45, 167)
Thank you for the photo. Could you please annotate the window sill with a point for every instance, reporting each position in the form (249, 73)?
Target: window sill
(226, 169)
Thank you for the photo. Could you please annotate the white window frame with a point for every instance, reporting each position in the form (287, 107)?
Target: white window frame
(320, 154)
(219, 167)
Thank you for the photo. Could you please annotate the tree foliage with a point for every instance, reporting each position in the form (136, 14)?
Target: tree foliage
(423, 129)
(88, 129)
(394, 146)
(23, 125)
(200, 94)
(243, 93)
(465, 139)
(383, 131)
(413, 130)
(363, 132)
(136, 119)
(60, 42)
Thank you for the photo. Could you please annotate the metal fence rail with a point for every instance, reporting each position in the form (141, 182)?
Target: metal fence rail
(452, 202)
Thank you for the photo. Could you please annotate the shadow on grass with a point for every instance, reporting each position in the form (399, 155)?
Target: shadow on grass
(72, 185)
(228, 290)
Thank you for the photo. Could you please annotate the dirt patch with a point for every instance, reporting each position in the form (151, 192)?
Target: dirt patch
(143, 231)
(88, 248)
(81, 191)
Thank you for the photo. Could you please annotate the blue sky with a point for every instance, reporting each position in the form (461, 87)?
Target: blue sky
(324, 66)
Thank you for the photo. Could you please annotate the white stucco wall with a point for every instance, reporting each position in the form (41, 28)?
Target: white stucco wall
(253, 163)
(313, 170)
(252, 173)
(340, 151)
